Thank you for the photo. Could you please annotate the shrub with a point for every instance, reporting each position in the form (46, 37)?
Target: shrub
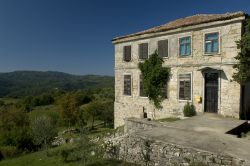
(43, 131)
(189, 110)
(8, 152)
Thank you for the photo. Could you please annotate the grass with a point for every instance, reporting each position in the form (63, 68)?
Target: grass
(9, 100)
(41, 159)
(169, 119)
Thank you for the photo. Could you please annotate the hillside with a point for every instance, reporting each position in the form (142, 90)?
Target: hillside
(23, 83)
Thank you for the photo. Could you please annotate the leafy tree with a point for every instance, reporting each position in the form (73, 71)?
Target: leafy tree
(70, 108)
(155, 76)
(92, 111)
(14, 128)
(242, 74)
(107, 113)
(43, 131)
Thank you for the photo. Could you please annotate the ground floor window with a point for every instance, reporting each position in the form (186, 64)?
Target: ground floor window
(142, 91)
(127, 85)
(185, 86)
(164, 91)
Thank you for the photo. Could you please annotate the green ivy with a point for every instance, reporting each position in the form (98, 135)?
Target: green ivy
(242, 74)
(154, 78)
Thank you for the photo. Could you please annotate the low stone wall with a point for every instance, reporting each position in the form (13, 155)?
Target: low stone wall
(143, 151)
(135, 148)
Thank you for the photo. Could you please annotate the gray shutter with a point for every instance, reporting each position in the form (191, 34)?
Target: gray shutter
(140, 51)
(163, 48)
(127, 53)
(145, 50)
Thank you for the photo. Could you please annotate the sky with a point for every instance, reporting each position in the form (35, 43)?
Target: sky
(74, 36)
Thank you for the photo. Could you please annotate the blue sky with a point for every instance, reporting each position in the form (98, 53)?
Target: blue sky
(74, 36)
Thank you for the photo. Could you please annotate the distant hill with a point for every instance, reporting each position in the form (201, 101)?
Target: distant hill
(23, 83)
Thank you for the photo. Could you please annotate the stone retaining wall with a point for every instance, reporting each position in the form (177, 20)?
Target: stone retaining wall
(139, 150)
(135, 148)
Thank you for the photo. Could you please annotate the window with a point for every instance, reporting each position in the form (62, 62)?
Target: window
(143, 51)
(185, 46)
(127, 53)
(142, 91)
(211, 43)
(127, 85)
(163, 48)
(185, 87)
(164, 91)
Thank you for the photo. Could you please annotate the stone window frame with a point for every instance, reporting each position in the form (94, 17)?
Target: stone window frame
(123, 53)
(191, 46)
(168, 46)
(203, 43)
(146, 42)
(124, 74)
(178, 84)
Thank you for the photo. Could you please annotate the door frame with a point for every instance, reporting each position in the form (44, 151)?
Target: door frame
(219, 89)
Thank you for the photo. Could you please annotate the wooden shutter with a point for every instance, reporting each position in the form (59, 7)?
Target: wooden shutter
(163, 48)
(127, 53)
(143, 51)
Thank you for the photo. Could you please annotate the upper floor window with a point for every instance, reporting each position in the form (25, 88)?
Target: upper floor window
(185, 86)
(127, 53)
(211, 43)
(142, 91)
(185, 46)
(143, 51)
(163, 48)
(127, 85)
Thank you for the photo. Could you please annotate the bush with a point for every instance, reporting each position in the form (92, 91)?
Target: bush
(189, 110)
(8, 152)
(43, 131)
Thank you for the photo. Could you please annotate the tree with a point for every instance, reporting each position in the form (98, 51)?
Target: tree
(43, 131)
(242, 74)
(70, 108)
(14, 128)
(154, 78)
(92, 111)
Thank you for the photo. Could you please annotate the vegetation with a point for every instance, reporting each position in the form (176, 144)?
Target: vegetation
(43, 131)
(54, 109)
(242, 74)
(189, 110)
(33, 83)
(154, 78)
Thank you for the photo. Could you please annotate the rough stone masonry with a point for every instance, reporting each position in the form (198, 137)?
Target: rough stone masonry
(229, 28)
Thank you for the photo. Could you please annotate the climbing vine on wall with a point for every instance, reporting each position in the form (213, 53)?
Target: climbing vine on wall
(155, 77)
(242, 74)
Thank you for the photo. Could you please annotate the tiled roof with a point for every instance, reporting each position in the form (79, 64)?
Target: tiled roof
(187, 21)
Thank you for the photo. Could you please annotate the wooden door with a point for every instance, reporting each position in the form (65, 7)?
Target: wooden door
(211, 92)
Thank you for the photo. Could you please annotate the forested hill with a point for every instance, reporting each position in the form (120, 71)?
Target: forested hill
(24, 83)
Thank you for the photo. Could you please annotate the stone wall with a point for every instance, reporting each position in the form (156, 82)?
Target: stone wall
(139, 150)
(229, 91)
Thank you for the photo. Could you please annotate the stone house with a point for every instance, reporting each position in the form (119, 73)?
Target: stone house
(200, 51)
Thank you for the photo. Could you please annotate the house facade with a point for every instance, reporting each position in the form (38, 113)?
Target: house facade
(200, 51)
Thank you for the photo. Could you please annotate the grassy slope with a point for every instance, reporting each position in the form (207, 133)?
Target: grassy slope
(41, 159)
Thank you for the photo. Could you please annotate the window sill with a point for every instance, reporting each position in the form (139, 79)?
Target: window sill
(185, 56)
(127, 95)
(143, 97)
(182, 101)
(212, 54)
